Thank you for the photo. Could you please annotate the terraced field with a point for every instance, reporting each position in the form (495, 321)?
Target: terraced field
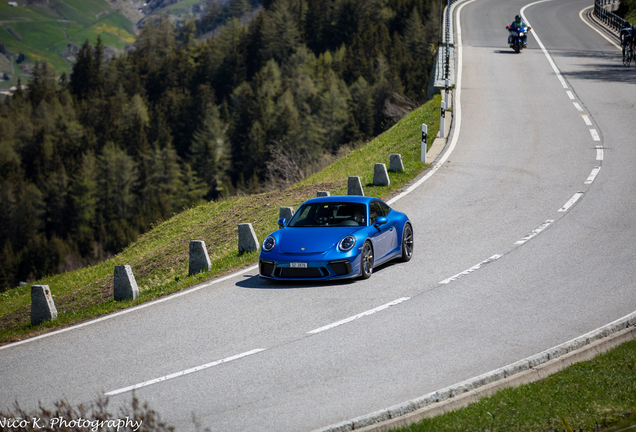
(51, 31)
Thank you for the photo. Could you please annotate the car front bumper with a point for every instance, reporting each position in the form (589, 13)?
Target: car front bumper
(314, 270)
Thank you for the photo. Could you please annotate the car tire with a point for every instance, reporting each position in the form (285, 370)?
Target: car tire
(407, 243)
(366, 260)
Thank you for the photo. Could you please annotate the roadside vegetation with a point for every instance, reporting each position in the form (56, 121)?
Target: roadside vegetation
(627, 10)
(590, 396)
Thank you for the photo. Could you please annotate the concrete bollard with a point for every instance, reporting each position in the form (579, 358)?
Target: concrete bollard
(199, 258)
(354, 186)
(323, 193)
(380, 176)
(42, 304)
(247, 241)
(395, 163)
(125, 284)
(286, 212)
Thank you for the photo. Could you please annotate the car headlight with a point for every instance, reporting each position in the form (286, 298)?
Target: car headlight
(269, 244)
(347, 243)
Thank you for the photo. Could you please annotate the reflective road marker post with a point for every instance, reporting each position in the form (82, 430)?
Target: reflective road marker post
(424, 136)
(446, 86)
(442, 126)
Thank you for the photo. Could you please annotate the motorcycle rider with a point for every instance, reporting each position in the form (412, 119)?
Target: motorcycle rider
(627, 38)
(517, 24)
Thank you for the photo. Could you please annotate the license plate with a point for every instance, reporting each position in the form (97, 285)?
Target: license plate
(298, 265)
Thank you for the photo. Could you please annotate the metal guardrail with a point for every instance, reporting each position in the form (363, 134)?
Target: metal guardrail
(607, 17)
(447, 33)
(444, 67)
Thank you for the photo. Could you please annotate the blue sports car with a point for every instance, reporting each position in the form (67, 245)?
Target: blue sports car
(336, 238)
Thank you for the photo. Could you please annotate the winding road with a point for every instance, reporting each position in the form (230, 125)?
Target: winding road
(524, 240)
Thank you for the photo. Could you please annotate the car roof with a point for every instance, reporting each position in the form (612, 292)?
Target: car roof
(343, 199)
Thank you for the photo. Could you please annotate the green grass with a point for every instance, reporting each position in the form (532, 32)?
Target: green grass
(47, 28)
(587, 396)
(159, 258)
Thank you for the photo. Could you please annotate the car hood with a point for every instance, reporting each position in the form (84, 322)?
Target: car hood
(311, 240)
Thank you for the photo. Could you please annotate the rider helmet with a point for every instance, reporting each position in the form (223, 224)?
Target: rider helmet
(517, 18)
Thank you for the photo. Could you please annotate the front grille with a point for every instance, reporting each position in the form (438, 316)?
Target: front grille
(301, 273)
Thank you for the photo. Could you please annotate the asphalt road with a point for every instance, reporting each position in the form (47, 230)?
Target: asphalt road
(551, 269)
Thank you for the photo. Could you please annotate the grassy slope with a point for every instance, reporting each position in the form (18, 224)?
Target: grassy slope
(159, 258)
(587, 396)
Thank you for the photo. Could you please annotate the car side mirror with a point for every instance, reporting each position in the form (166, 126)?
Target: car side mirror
(380, 221)
(282, 222)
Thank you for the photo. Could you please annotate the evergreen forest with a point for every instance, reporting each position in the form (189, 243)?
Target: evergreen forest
(92, 159)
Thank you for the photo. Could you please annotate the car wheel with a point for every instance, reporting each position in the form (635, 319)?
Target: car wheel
(407, 243)
(366, 261)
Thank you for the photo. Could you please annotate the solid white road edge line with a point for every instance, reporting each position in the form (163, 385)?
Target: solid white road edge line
(182, 373)
(595, 29)
(545, 51)
(135, 308)
(457, 116)
(363, 314)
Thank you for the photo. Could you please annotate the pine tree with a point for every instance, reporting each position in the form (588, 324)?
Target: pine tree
(334, 110)
(82, 75)
(83, 202)
(209, 150)
(281, 35)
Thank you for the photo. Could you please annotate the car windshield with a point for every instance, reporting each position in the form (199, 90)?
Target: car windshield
(326, 214)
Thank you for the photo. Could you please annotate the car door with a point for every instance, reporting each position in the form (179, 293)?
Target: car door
(385, 235)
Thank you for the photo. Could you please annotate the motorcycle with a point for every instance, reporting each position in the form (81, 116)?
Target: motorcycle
(518, 38)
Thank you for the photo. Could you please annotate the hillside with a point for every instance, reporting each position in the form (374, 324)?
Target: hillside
(52, 31)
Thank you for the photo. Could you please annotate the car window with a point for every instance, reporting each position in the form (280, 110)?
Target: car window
(375, 211)
(385, 208)
(325, 214)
